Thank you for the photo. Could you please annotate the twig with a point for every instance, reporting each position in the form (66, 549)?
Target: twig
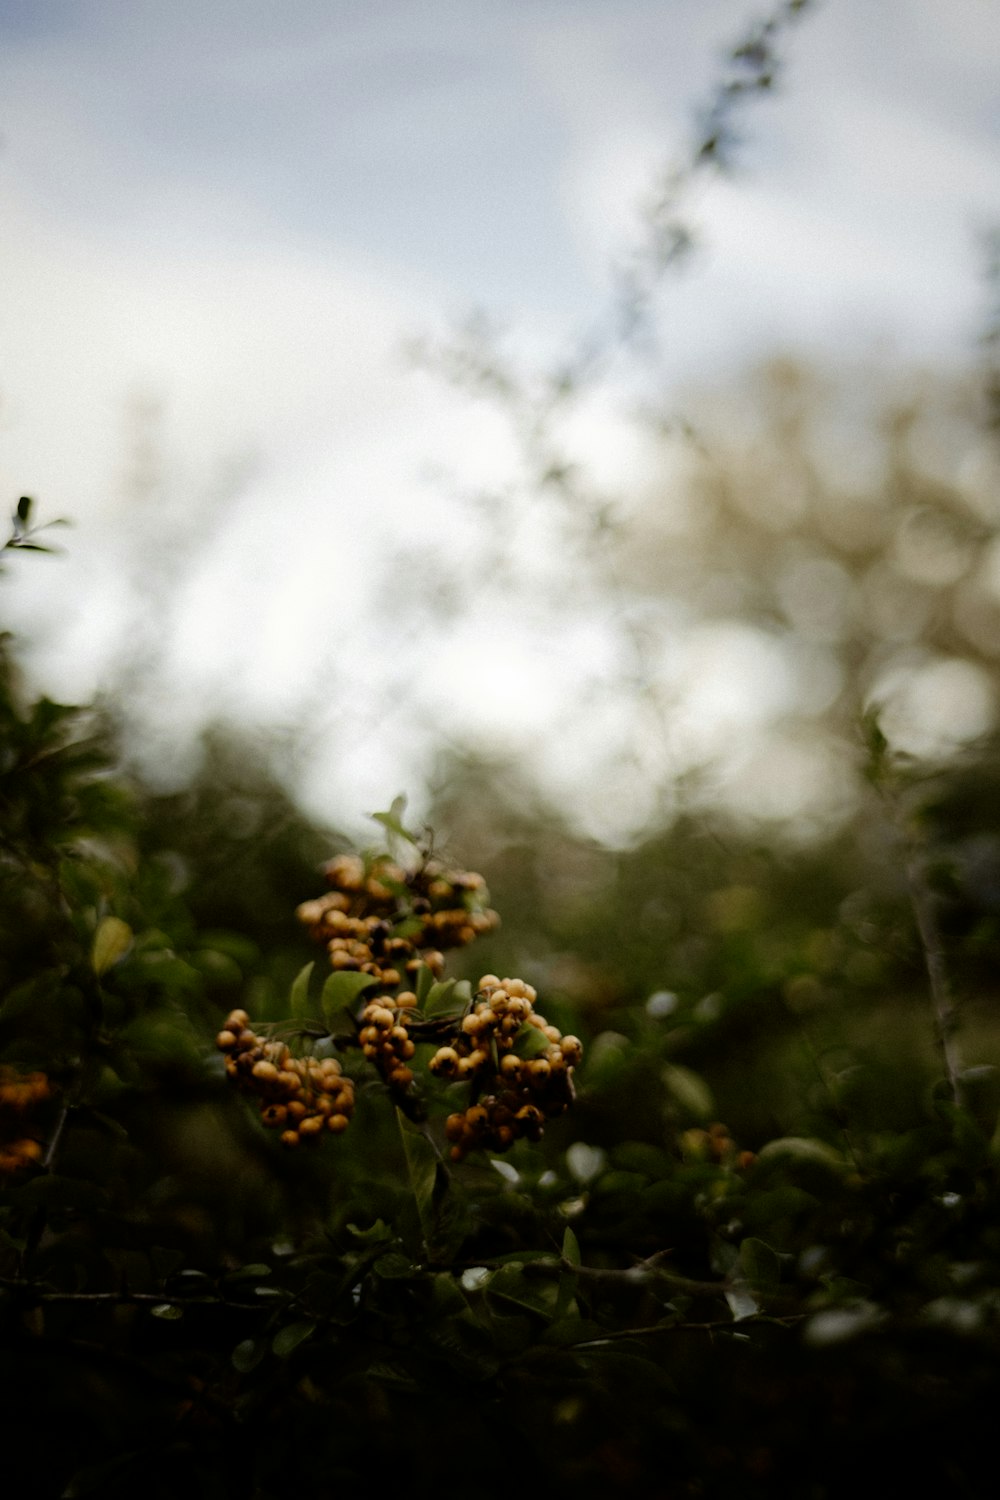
(126, 1298)
(942, 1000)
(56, 1137)
(712, 1325)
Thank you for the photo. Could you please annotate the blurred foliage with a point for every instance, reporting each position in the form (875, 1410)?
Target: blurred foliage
(853, 519)
(761, 1250)
(806, 546)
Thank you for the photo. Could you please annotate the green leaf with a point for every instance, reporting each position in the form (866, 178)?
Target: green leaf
(299, 996)
(565, 1300)
(690, 1092)
(538, 1295)
(742, 1303)
(291, 1336)
(760, 1265)
(531, 1042)
(393, 1266)
(341, 991)
(570, 1247)
(421, 1166)
(24, 508)
(112, 941)
(439, 997)
(374, 1234)
(392, 821)
(248, 1273)
(248, 1355)
(801, 1148)
(169, 1311)
(424, 984)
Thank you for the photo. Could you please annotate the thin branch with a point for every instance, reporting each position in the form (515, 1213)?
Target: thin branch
(639, 1275)
(56, 1137)
(712, 1325)
(126, 1298)
(942, 999)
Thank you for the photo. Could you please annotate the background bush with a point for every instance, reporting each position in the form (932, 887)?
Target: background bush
(759, 1255)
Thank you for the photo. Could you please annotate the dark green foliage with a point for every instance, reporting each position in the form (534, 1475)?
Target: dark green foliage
(648, 1302)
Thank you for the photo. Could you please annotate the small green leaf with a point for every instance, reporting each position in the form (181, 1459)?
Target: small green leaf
(760, 1265)
(169, 1311)
(374, 1234)
(424, 984)
(299, 997)
(742, 1303)
(439, 997)
(690, 1092)
(570, 1247)
(248, 1355)
(341, 991)
(537, 1295)
(24, 508)
(291, 1336)
(565, 1301)
(393, 1266)
(112, 941)
(801, 1148)
(392, 821)
(248, 1273)
(421, 1165)
(531, 1042)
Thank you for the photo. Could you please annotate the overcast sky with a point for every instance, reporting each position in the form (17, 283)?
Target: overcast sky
(237, 214)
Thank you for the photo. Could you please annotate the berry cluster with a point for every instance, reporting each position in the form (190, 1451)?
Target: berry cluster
(716, 1145)
(514, 1095)
(20, 1095)
(382, 920)
(301, 1096)
(385, 1039)
(393, 924)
